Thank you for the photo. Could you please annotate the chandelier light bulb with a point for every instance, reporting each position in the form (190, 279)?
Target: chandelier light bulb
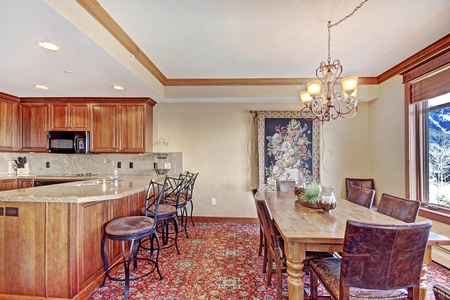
(305, 97)
(314, 87)
(349, 85)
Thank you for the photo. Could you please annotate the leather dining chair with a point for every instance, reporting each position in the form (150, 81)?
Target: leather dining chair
(378, 261)
(359, 182)
(361, 196)
(400, 208)
(441, 292)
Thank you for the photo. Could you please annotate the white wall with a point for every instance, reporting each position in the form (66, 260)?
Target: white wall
(387, 139)
(215, 139)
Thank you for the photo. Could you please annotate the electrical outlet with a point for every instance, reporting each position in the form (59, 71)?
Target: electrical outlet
(119, 165)
(12, 211)
(213, 201)
(47, 164)
(131, 165)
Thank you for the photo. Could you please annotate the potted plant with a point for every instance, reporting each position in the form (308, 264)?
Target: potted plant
(309, 195)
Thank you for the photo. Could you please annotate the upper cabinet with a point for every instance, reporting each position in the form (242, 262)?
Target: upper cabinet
(9, 123)
(34, 125)
(69, 116)
(122, 127)
(117, 125)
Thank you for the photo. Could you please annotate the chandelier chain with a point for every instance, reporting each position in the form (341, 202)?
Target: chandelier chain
(337, 23)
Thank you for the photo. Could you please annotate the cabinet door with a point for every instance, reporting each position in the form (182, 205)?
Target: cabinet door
(9, 124)
(79, 116)
(8, 184)
(103, 128)
(132, 128)
(69, 116)
(59, 116)
(24, 183)
(34, 127)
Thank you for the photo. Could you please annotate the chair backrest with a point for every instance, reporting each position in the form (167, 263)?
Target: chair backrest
(175, 187)
(364, 183)
(383, 257)
(268, 224)
(155, 195)
(285, 185)
(361, 196)
(399, 208)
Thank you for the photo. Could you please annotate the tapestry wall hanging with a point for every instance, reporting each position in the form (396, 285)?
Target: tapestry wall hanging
(288, 148)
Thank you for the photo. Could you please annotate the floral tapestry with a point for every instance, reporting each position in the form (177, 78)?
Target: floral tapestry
(288, 148)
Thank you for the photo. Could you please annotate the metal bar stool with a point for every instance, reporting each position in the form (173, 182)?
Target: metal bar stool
(132, 229)
(166, 215)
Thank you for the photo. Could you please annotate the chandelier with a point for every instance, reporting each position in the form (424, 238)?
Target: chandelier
(320, 99)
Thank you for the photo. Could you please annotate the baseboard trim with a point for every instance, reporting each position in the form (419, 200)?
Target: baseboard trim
(231, 220)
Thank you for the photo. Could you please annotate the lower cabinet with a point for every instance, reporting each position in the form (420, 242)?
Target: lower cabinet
(55, 247)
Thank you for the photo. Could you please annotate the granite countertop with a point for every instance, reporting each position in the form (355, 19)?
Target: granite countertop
(79, 191)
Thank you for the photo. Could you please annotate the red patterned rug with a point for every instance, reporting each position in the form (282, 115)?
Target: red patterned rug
(218, 261)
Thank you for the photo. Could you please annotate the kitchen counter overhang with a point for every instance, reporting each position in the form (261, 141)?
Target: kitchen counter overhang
(80, 191)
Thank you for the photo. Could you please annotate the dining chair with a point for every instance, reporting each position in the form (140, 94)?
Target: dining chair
(379, 261)
(441, 292)
(130, 231)
(359, 182)
(361, 196)
(400, 208)
(262, 238)
(285, 185)
(274, 246)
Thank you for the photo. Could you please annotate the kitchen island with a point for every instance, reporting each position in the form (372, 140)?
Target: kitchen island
(51, 235)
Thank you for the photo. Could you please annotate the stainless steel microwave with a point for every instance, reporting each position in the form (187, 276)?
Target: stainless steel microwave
(68, 141)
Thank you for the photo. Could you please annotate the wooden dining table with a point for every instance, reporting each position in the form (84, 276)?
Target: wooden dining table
(310, 229)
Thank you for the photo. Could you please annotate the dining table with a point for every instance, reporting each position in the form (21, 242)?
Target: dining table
(312, 229)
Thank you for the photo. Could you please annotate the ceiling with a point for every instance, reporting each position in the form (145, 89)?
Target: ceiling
(157, 47)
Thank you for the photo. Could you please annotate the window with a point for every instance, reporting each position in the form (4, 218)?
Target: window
(434, 131)
(428, 101)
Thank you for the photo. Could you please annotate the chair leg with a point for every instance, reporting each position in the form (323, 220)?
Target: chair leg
(313, 284)
(126, 265)
(155, 234)
(192, 209)
(270, 269)
(279, 278)
(105, 260)
(175, 224)
(265, 262)
(261, 234)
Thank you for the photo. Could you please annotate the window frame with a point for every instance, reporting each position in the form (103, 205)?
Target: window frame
(416, 133)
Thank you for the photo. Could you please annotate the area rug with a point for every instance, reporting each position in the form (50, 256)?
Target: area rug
(217, 261)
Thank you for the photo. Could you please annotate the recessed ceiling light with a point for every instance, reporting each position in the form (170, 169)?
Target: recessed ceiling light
(49, 46)
(118, 87)
(41, 87)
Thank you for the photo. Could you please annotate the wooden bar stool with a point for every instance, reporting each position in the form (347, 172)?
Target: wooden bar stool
(131, 230)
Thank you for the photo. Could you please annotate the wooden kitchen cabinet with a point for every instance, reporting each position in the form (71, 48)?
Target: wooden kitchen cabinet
(8, 184)
(121, 127)
(59, 247)
(34, 125)
(24, 183)
(9, 123)
(69, 116)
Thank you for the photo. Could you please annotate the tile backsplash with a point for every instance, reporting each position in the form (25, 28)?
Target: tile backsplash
(70, 164)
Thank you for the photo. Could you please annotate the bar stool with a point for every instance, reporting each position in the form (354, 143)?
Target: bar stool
(132, 229)
(166, 216)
